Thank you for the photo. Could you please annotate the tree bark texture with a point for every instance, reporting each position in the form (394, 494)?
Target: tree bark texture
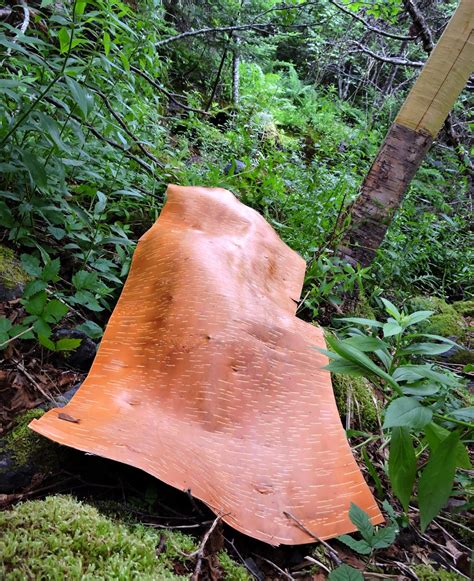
(418, 122)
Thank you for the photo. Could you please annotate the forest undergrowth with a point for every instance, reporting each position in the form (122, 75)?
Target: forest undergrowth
(102, 106)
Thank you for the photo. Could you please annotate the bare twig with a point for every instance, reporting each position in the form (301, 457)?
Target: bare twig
(28, 375)
(276, 567)
(332, 553)
(386, 59)
(318, 563)
(2, 345)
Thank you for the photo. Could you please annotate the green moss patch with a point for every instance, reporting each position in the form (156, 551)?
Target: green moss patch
(427, 573)
(62, 538)
(446, 320)
(362, 398)
(11, 273)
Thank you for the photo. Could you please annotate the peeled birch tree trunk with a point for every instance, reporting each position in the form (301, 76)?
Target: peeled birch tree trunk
(417, 124)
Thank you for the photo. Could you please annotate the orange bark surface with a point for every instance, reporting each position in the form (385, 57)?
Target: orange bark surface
(206, 379)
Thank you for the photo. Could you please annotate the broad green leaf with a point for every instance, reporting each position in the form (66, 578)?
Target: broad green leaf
(408, 412)
(366, 344)
(421, 388)
(51, 271)
(84, 280)
(391, 309)
(435, 434)
(429, 336)
(362, 321)
(391, 328)
(80, 95)
(55, 310)
(417, 317)
(106, 42)
(46, 342)
(465, 414)
(345, 367)
(361, 520)
(345, 573)
(63, 36)
(35, 168)
(425, 349)
(436, 481)
(415, 372)
(402, 465)
(362, 547)
(42, 328)
(91, 329)
(355, 356)
(67, 344)
(34, 287)
(100, 204)
(35, 305)
(5, 326)
(384, 537)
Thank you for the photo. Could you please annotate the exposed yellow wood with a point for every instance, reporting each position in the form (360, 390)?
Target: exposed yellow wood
(444, 76)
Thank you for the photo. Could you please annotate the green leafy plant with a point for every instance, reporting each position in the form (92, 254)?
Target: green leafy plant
(373, 538)
(425, 417)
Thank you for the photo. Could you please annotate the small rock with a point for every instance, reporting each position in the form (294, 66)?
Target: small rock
(234, 167)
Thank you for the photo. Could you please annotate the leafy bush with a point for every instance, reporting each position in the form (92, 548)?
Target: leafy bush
(425, 409)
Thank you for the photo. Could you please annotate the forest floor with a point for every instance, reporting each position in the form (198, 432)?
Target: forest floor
(31, 380)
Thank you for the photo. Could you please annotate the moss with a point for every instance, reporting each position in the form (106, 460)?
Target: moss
(231, 570)
(363, 405)
(427, 573)
(462, 357)
(11, 273)
(25, 445)
(62, 538)
(446, 321)
(363, 308)
(465, 308)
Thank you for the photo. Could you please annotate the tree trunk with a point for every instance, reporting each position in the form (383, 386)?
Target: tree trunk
(235, 74)
(418, 122)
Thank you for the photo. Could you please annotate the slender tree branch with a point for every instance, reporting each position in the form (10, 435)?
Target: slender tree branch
(96, 133)
(187, 34)
(369, 26)
(420, 23)
(124, 126)
(385, 59)
(218, 76)
(170, 96)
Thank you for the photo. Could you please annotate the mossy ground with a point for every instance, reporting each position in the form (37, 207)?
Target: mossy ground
(11, 273)
(362, 398)
(427, 573)
(446, 321)
(62, 538)
(25, 445)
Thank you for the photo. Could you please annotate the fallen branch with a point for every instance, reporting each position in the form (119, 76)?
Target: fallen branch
(332, 553)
